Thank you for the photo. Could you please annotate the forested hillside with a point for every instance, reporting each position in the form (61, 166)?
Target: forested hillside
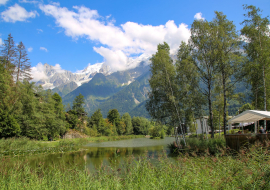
(129, 97)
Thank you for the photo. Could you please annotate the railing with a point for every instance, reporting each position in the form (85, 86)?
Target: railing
(236, 141)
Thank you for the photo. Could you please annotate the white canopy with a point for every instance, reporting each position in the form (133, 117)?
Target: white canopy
(250, 116)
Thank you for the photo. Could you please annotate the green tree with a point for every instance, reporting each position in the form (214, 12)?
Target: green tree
(9, 108)
(78, 104)
(127, 120)
(9, 53)
(140, 125)
(163, 104)
(203, 42)
(230, 62)
(256, 31)
(114, 117)
(189, 97)
(97, 121)
(23, 66)
(9, 126)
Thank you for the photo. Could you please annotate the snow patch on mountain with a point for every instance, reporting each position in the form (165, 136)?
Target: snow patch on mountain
(49, 76)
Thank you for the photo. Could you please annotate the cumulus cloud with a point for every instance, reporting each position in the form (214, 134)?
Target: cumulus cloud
(30, 49)
(1, 41)
(198, 16)
(116, 43)
(43, 48)
(58, 68)
(2, 2)
(17, 13)
(38, 72)
(117, 57)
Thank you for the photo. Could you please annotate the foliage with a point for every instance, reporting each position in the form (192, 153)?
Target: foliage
(256, 31)
(25, 109)
(78, 103)
(23, 66)
(114, 117)
(140, 125)
(127, 120)
(248, 170)
(245, 107)
(96, 122)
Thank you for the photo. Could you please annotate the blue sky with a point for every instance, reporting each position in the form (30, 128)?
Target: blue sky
(73, 34)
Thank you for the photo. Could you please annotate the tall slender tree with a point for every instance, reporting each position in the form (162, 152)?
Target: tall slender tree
(256, 31)
(205, 55)
(9, 53)
(229, 62)
(23, 66)
(163, 104)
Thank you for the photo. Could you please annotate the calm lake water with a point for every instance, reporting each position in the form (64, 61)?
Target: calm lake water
(112, 153)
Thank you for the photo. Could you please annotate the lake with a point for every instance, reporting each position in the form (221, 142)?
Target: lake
(112, 153)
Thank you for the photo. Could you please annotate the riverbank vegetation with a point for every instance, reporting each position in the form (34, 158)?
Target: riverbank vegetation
(200, 146)
(25, 146)
(247, 170)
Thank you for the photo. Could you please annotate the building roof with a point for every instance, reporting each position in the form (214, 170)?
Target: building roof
(250, 116)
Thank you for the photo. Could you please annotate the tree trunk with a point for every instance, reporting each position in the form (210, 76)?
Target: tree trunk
(201, 125)
(210, 111)
(264, 96)
(224, 103)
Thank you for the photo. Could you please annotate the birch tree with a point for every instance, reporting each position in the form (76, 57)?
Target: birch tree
(230, 61)
(205, 55)
(256, 31)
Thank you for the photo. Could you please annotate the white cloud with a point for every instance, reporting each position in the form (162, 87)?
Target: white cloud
(58, 68)
(2, 2)
(117, 60)
(28, 1)
(30, 49)
(1, 41)
(38, 72)
(43, 48)
(17, 13)
(198, 16)
(116, 43)
(39, 30)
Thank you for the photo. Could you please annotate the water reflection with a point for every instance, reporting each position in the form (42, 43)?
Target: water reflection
(112, 154)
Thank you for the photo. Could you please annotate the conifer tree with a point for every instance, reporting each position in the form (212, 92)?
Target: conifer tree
(9, 126)
(9, 53)
(97, 121)
(23, 67)
(114, 117)
(78, 103)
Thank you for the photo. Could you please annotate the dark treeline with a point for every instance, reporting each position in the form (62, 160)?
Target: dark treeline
(28, 110)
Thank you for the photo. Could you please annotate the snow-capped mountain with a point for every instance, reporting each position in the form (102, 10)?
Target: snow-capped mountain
(56, 77)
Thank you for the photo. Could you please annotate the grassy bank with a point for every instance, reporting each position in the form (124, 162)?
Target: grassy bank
(247, 170)
(26, 146)
(202, 146)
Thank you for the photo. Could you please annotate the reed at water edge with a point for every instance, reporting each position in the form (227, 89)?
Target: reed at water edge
(250, 169)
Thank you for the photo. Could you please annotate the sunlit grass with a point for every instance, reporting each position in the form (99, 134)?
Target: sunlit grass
(250, 169)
